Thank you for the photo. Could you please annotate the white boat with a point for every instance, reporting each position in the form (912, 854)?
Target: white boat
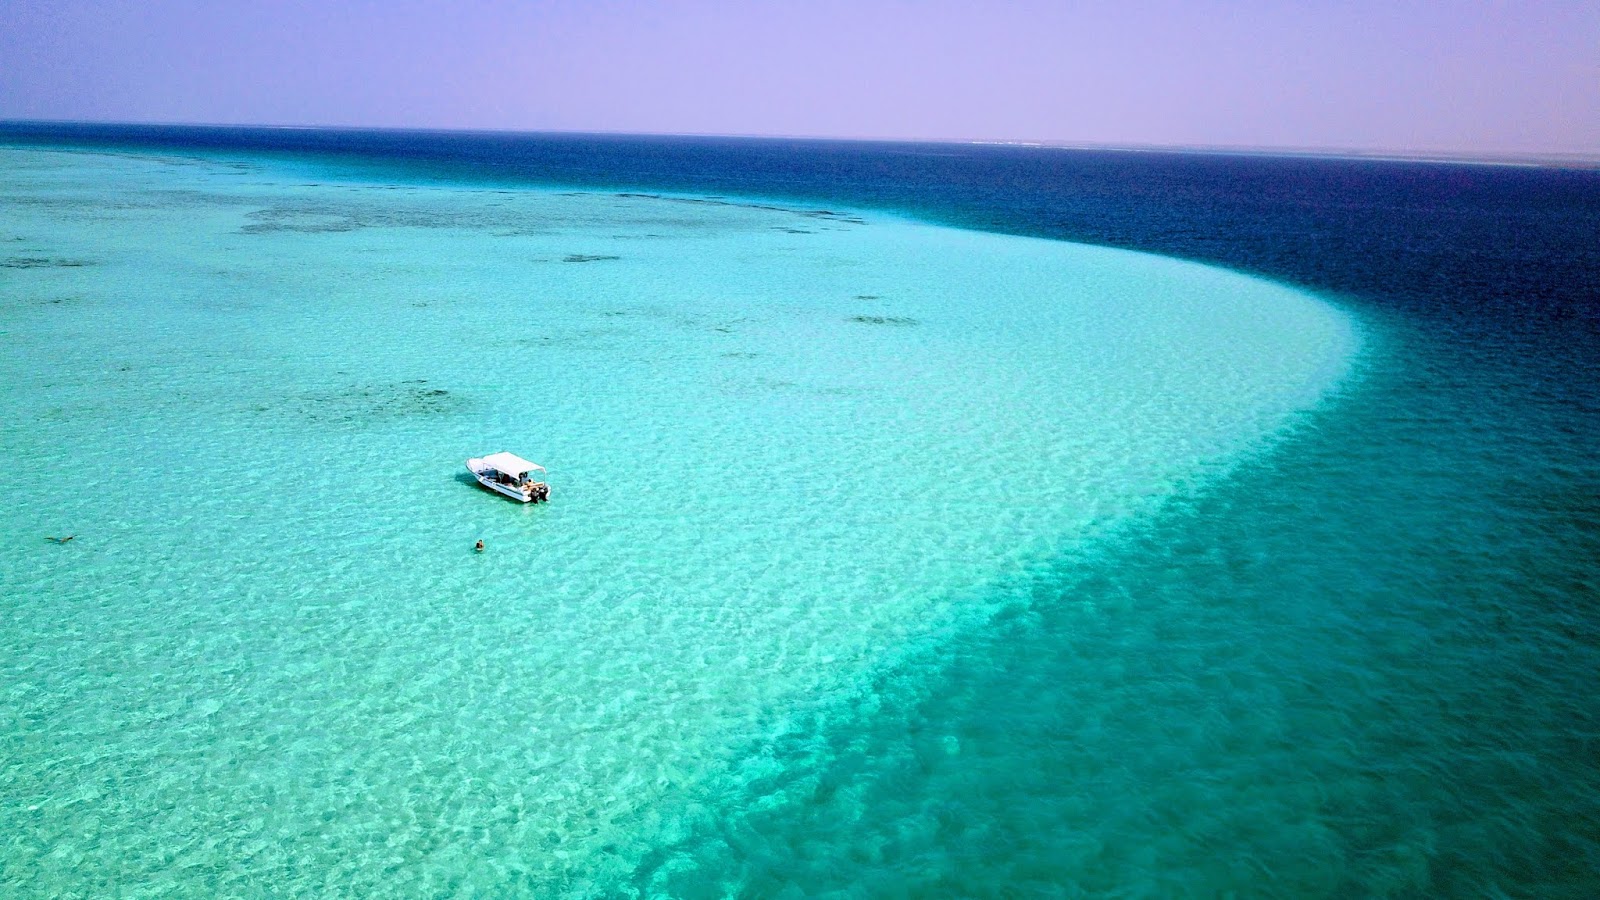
(510, 474)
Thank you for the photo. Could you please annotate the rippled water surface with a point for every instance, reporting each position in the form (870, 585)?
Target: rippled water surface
(884, 558)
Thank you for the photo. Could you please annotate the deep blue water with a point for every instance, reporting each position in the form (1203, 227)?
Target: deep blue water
(1448, 511)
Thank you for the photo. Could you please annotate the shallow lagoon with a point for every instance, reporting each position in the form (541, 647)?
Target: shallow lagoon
(794, 452)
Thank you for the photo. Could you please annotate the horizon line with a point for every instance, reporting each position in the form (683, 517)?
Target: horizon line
(1538, 159)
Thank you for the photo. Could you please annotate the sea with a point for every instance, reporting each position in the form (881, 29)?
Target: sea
(926, 520)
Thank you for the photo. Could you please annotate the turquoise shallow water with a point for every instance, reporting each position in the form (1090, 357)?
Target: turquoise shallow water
(802, 460)
(1339, 670)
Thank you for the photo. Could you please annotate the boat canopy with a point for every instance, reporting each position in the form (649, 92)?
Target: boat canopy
(511, 464)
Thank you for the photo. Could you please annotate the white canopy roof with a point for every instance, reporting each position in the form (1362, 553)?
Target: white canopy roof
(510, 463)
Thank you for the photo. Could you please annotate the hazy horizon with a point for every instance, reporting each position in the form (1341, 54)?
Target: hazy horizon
(1479, 80)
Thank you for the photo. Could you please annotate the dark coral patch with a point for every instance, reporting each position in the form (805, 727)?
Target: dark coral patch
(372, 404)
(885, 320)
(827, 214)
(302, 219)
(42, 262)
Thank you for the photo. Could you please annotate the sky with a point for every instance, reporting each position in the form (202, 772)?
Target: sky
(1485, 78)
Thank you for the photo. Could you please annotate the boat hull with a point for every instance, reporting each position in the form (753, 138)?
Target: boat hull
(532, 492)
(504, 490)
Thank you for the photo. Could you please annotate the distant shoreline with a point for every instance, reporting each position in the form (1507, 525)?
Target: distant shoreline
(1530, 160)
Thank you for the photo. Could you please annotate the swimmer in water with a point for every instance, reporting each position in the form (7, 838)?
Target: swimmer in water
(479, 547)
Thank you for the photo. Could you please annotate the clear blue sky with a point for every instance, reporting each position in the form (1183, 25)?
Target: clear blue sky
(1478, 77)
